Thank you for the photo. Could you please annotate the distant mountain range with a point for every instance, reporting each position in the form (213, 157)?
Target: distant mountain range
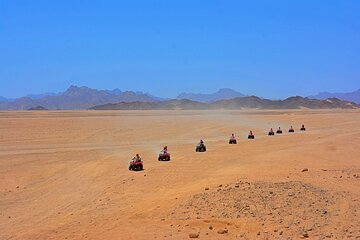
(42, 95)
(351, 96)
(224, 93)
(76, 98)
(84, 98)
(235, 103)
(3, 99)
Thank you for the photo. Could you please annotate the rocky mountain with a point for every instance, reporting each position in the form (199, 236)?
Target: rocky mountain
(76, 98)
(351, 96)
(224, 93)
(236, 103)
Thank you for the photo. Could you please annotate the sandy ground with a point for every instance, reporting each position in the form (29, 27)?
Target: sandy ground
(64, 175)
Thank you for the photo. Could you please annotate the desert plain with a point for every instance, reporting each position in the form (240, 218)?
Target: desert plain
(64, 175)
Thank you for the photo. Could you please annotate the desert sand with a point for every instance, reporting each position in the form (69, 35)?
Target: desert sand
(64, 175)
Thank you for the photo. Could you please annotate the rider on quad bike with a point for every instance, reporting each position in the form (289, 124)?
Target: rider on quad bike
(201, 147)
(291, 130)
(302, 128)
(271, 133)
(232, 139)
(279, 131)
(251, 135)
(136, 164)
(164, 155)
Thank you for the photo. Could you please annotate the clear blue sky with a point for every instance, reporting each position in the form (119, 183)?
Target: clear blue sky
(269, 48)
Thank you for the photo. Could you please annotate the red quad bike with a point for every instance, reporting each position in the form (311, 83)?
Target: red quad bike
(164, 156)
(136, 165)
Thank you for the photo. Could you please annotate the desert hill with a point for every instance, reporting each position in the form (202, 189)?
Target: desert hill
(236, 103)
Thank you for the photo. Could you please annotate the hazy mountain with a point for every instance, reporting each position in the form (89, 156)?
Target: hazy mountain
(289, 103)
(351, 96)
(3, 99)
(236, 103)
(163, 105)
(83, 98)
(77, 98)
(42, 95)
(224, 93)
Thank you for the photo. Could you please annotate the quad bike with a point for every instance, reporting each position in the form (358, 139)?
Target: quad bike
(251, 136)
(291, 130)
(271, 133)
(200, 148)
(136, 165)
(232, 141)
(279, 131)
(164, 156)
(302, 128)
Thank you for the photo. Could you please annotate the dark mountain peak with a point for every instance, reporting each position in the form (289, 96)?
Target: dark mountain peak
(75, 91)
(296, 98)
(72, 88)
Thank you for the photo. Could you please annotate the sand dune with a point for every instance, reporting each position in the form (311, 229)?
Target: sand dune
(63, 175)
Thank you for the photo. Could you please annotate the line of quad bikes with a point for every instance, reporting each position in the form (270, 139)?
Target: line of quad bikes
(137, 164)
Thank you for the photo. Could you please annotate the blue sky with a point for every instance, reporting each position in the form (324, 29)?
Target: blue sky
(272, 49)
